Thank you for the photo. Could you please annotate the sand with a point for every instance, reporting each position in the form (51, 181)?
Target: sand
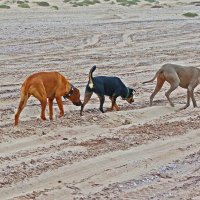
(139, 152)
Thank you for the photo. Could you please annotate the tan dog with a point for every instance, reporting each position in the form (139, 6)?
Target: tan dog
(176, 75)
(49, 85)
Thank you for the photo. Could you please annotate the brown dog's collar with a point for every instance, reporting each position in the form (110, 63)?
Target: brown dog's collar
(67, 95)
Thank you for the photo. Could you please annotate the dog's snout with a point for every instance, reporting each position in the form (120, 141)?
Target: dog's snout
(130, 100)
(77, 103)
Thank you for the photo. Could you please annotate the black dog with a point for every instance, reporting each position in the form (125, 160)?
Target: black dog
(109, 86)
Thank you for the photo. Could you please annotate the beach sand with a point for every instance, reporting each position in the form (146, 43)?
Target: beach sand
(137, 153)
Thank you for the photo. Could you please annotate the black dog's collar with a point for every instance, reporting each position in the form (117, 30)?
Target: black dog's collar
(67, 95)
(128, 93)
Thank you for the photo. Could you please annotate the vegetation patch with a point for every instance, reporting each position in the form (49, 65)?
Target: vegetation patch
(23, 5)
(4, 6)
(128, 2)
(43, 3)
(85, 3)
(190, 14)
(151, 1)
(55, 7)
(196, 3)
(77, 3)
(20, 2)
(157, 6)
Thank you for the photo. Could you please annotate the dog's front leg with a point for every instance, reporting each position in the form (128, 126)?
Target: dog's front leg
(188, 101)
(102, 100)
(193, 100)
(113, 105)
(190, 94)
(60, 105)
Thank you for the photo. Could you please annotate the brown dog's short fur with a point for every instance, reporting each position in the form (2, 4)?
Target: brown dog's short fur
(43, 85)
(176, 75)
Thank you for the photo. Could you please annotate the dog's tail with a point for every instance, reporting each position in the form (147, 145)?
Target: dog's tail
(91, 84)
(157, 73)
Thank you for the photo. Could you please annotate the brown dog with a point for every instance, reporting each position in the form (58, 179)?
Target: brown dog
(49, 85)
(176, 75)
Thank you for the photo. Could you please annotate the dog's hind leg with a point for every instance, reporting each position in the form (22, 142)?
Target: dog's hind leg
(102, 100)
(51, 108)
(60, 105)
(174, 82)
(43, 107)
(160, 82)
(171, 89)
(86, 99)
(43, 101)
(39, 92)
(22, 104)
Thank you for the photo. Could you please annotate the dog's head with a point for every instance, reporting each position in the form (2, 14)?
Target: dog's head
(130, 94)
(74, 96)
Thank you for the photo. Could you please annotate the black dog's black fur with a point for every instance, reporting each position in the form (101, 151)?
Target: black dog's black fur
(105, 85)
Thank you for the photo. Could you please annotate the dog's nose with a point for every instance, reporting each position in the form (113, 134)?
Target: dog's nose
(77, 103)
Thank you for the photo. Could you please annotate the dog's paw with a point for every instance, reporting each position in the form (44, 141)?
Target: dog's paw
(43, 118)
(109, 109)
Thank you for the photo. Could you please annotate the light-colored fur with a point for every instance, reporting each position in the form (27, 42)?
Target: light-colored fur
(176, 75)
